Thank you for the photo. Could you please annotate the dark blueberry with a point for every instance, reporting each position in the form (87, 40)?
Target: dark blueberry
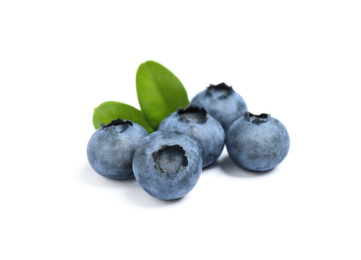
(110, 149)
(167, 164)
(257, 142)
(196, 123)
(221, 102)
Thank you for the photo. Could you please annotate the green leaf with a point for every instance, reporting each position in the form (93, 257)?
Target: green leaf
(159, 92)
(110, 110)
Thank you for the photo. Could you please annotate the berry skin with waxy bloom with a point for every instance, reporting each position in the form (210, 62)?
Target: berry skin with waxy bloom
(257, 142)
(111, 148)
(167, 164)
(196, 123)
(221, 102)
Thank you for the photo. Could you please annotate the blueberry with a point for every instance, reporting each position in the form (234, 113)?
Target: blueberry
(221, 102)
(167, 164)
(110, 149)
(196, 123)
(257, 142)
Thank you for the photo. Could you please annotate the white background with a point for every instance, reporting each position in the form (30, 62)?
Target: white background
(299, 61)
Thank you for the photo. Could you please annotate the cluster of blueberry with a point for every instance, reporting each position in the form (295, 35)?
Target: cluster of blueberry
(168, 162)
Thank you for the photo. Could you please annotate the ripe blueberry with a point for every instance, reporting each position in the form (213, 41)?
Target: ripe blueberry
(196, 123)
(257, 142)
(221, 102)
(167, 164)
(110, 149)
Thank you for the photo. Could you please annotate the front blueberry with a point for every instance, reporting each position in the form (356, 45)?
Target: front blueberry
(221, 102)
(257, 142)
(167, 164)
(111, 148)
(196, 123)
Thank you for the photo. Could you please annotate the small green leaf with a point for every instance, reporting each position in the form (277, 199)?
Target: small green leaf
(159, 92)
(110, 110)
